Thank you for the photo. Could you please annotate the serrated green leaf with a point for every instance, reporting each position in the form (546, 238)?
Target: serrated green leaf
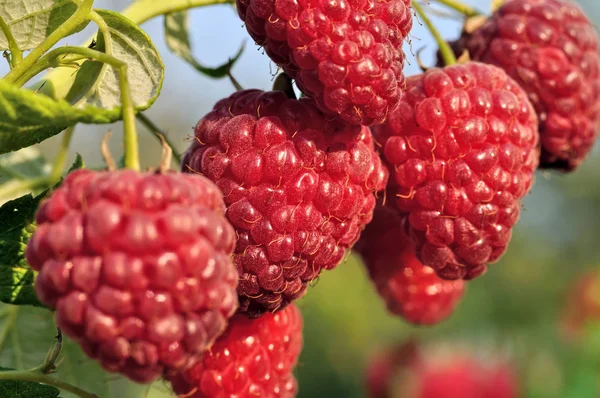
(77, 164)
(26, 389)
(31, 332)
(31, 21)
(178, 41)
(27, 118)
(16, 277)
(97, 84)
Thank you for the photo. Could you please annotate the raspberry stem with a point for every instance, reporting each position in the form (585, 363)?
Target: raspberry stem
(15, 52)
(61, 157)
(445, 49)
(464, 9)
(36, 376)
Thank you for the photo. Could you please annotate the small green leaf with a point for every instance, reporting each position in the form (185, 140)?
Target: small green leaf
(178, 41)
(27, 118)
(16, 227)
(26, 389)
(97, 84)
(77, 164)
(31, 21)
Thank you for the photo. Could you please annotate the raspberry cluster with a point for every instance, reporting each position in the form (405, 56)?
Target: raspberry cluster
(298, 188)
(551, 49)
(137, 267)
(345, 55)
(462, 147)
(253, 358)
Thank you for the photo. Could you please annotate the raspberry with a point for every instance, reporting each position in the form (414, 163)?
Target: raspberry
(463, 146)
(345, 55)
(551, 49)
(440, 371)
(137, 266)
(253, 358)
(410, 289)
(582, 305)
(298, 188)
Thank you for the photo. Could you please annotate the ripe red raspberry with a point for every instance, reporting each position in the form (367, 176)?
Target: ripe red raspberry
(551, 49)
(409, 288)
(582, 305)
(298, 188)
(346, 55)
(463, 146)
(440, 372)
(253, 358)
(137, 266)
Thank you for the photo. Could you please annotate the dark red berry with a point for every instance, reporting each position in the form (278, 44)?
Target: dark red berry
(346, 55)
(299, 189)
(462, 147)
(551, 49)
(253, 358)
(410, 289)
(137, 266)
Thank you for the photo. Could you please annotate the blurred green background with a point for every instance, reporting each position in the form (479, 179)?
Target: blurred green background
(514, 306)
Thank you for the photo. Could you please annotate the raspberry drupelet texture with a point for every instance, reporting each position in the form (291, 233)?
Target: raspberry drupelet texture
(410, 289)
(298, 188)
(345, 55)
(462, 148)
(137, 266)
(551, 49)
(253, 358)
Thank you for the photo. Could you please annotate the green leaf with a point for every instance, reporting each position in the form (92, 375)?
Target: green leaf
(16, 227)
(30, 333)
(178, 41)
(77, 164)
(26, 163)
(31, 21)
(27, 118)
(97, 84)
(26, 389)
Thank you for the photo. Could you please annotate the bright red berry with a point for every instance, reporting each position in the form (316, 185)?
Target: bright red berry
(462, 147)
(551, 49)
(253, 358)
(440, 371)
(137, 266)
(346, 55)
(299, 189)
(409, 288)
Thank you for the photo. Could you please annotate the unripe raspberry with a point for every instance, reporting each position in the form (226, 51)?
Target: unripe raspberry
(410, 289)
(345, 55)
(253, 358)
(137, 266)
(462, 147)
(551, 49)
(298, 188)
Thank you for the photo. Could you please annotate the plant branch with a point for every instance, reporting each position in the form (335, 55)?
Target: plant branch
(157, 133)
(61, 157)
(36, 376)
(78, 17)
(464, 9)
(16, 55)
(445, 49)
(143, 10)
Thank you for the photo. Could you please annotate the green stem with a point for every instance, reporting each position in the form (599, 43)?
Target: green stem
(464, 9)
(12, 172)
(445, 49)
(16, 55)
(156, 131)
(36, 376)
(22, 186)
(61, 157)
(78, 17)
(143, 10)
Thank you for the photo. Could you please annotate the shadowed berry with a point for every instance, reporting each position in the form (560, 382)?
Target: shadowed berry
(409, 288)
(462, 148)
(346, 55)
(253, 358)
(551, 49)
(299, 189)
(137, 266)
